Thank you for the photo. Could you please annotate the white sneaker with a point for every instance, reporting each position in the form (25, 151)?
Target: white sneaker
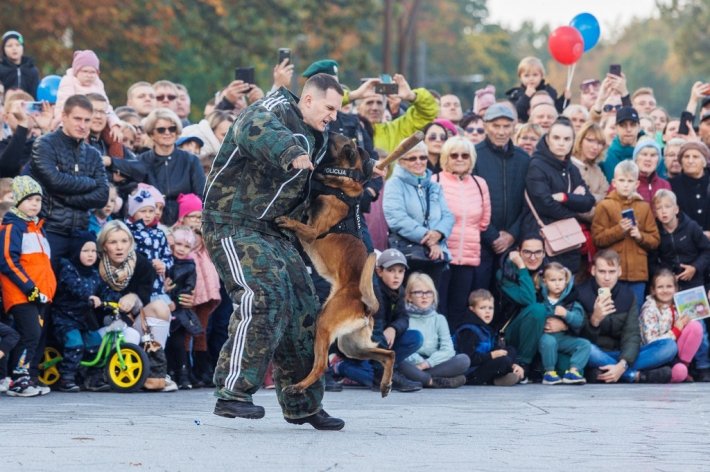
(4, 384)
(22, 388)
(170, 385)
(42, 388)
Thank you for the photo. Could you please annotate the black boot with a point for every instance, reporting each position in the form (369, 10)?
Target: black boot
(203, 368)
(234, 409)
(320, 420)
(184, 378)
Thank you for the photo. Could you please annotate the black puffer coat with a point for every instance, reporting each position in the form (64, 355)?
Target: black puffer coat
(73, 181)
(546, 176)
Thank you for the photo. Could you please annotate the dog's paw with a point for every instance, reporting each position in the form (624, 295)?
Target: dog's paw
(385, 389)
(284, 221)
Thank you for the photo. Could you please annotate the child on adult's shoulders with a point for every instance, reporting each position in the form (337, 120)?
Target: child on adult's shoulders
(491, 362)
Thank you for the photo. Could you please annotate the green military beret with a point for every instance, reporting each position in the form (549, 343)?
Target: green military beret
(327, 66)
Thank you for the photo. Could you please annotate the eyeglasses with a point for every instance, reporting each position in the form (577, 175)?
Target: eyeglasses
(472, 130)
(415, 158)
(163, 130)
(609, 108)
(422, 293)
(586, 88)
(462, 156)
(433, 137)
(162, 98)
(528, 253)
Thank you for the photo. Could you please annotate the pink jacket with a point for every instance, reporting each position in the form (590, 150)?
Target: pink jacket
(471, 205)
(207, 282)
(69, 85)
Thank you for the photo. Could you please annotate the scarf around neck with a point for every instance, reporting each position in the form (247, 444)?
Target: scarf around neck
(119, 277)
(21, 214)
(415, 310)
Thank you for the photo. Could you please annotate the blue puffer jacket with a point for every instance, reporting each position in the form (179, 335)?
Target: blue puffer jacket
(404, 204)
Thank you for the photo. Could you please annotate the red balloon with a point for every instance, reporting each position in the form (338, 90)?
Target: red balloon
(566, 45)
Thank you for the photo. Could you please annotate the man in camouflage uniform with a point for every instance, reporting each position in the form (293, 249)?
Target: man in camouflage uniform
(262, 172)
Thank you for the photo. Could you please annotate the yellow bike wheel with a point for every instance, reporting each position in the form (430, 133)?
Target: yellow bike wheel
(132, 377)
(49, 376)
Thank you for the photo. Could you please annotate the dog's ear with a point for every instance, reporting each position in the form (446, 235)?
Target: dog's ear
(364, 155)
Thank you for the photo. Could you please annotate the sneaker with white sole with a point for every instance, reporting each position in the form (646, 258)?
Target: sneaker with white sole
(22, 387)
(170, 385)
(551, 378)
(41, 387)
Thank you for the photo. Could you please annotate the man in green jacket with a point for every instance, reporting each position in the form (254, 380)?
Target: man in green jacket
(262, 172)
(371, 106)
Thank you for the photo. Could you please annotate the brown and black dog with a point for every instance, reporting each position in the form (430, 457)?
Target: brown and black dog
(341, 258)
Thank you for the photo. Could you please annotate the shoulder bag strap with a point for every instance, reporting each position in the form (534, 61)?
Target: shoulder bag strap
(532, 210)
(426, 215)
(479, 186)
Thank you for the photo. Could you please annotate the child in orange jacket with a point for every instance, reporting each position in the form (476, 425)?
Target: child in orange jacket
(28, 283)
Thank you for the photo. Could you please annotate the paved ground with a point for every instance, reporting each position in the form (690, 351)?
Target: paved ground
(532, 427)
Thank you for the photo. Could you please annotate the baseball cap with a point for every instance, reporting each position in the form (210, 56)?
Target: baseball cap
(627, 114)
(390, 257)
(184, 139)
(498, 110)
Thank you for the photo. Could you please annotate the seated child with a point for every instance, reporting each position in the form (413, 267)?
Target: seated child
(684, 249)
(27, 279)
(75, 324)
(531, 73)
(659, 321)
(556, 290)
(150, 241)
(490, 362)
(180, 280)
(82, 79)
(631, 236)
(390, 330)
(435, 364)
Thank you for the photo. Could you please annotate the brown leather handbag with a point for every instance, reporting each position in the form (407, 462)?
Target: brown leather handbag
(561, 236)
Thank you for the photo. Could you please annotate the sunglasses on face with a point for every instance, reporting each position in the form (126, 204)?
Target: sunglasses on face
(472, 130)
(435, 137)
(462, 156)
(162, 98)
(590, 87)
(609, 108)
(163, 130)
(415, 158)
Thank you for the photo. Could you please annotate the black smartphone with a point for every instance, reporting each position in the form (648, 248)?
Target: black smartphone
(284, 53)
(685, 118)
(386, 86)
(615, 69)
(629, 213)
(33, 108)
(245, 74)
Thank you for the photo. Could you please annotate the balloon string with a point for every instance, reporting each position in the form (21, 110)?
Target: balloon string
(570, 75)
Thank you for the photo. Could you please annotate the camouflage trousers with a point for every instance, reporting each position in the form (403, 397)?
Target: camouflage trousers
(274, 317)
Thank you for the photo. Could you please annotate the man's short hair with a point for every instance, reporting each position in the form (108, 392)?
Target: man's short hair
(642, 91)
(18, 95)
(96, 97)
(609, 256)
(664, 194)
(182, 88)
(627, 168)
(164, 84)
(479, 295)
(323, 82)
(135, 86)
(78, 101)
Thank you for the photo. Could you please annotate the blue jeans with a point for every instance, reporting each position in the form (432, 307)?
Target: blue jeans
(650, 356)
(362, 371)
(702, 357)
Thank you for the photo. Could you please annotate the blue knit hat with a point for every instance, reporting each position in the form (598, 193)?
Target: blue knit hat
(645, 143)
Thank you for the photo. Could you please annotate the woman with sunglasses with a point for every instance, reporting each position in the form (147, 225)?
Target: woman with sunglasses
(408, 194)
(169, 169)
(435, 135)
(468, 199)
(472, 125)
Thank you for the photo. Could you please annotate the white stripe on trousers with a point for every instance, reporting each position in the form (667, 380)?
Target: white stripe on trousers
(240, 334)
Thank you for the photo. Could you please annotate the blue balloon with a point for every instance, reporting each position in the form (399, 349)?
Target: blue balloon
(588, 26)
(47, 89)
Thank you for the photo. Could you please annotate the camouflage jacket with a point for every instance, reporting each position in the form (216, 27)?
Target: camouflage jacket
(251, 182)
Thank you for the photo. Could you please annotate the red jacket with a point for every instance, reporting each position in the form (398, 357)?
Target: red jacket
(470, 203)
(25, 262)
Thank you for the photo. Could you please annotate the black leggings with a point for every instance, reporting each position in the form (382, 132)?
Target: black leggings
(29, 318)
(457, 365)
(490, 370)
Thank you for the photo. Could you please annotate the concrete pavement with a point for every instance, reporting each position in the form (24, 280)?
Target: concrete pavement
(531, 427)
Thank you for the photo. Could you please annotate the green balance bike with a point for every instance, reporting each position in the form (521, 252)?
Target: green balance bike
(126, 366)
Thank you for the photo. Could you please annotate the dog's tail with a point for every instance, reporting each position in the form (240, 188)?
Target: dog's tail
(367, 291)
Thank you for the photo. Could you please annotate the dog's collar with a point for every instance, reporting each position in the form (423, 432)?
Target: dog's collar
(354, 174)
